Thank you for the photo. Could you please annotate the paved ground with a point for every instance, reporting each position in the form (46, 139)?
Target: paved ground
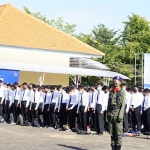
(15, 137)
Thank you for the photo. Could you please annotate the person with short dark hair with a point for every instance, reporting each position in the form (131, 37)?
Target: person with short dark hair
(127, 106)
(82, 107)
(146, 106)
(25, 100)
(34, 104)
(8, 102)
(92, 103)
(62, 107)
(144, 113)
(2, 96)
(53, 106)
(45, 107)
(71, 102)
(136, 108)
(17, 98)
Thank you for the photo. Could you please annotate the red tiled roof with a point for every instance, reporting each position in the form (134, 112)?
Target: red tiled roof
(20, 29)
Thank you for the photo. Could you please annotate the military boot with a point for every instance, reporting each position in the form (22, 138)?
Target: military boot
(113, 147)
(118, 147)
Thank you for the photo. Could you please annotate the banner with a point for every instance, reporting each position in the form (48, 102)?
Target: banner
(147, 70)
(9, 76)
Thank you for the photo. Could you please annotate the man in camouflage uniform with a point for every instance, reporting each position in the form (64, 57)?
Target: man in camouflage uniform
(115, 113)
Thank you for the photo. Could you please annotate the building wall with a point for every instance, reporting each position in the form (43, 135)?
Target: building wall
(50, 79)
(34, 56)
(37, 57)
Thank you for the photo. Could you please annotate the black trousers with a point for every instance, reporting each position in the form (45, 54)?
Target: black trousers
(16, 110)
(46, 115)
(4, 108)
(7, 111)
(29, 113)
(40, 109)
(71, 117)
(133, 120)
(126, 121)
(24, 110)
(83, 118)
(99, 119)
(145, 120)
(52, 115)
(148, 118)
(105, 123)
(1, 107)
(138, 117)
(63, 115)
(77, 120)
(34, 113)
(91, 118)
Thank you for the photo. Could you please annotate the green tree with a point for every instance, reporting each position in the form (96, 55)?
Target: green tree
(59, 23)
(136, 39)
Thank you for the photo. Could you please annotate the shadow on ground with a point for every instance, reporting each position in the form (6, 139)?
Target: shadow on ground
(71, 147)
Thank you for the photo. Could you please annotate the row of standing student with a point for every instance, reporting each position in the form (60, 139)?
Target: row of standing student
(137, 109)
(76, 107)
(72, 106)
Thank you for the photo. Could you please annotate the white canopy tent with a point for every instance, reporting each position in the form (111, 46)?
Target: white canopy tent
(86, 63)
(42, 69)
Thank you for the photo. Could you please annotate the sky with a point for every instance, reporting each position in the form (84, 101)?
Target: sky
(87, 13)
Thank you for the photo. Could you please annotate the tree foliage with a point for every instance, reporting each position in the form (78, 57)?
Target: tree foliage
(119, 48)
(59, 23)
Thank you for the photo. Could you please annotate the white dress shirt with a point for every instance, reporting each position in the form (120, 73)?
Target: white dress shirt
(62, 98)
(77, 94)
(127, 101)
(100, 100)
(18, 94)
(106, 97)
(71, 99)
(35, 99)
(93, 98)
(147, 102)
(84, 100)
(26, 96)
(55, 99)
(136, 100)
(47, 98)
(42, 95)
(2, 92)
(9, 94)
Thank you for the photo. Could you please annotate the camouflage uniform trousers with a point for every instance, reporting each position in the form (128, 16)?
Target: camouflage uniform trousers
(115, 130)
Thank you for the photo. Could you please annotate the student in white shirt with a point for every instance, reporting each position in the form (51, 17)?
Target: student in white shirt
(136, 107)
(41, 101)
(8, 102)
(45, 107)
(92, 103)
(106, 96)
(71, 103)
(53, 105)
(82, 107)
(147, 109)
(17, 97)
(62, 106)
(99, 110)
(30, 87)
(144, 106)
(35, 103)
(127, 106)
(25, 100)
(2, 90)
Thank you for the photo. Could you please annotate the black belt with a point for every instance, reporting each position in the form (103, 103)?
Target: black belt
(115, 107)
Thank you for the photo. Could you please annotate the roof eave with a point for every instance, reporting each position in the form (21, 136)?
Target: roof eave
(69, 53)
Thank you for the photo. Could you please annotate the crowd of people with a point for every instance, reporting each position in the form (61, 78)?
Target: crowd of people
(82, 107)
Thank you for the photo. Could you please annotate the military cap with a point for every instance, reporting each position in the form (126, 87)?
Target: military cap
(117, 78)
